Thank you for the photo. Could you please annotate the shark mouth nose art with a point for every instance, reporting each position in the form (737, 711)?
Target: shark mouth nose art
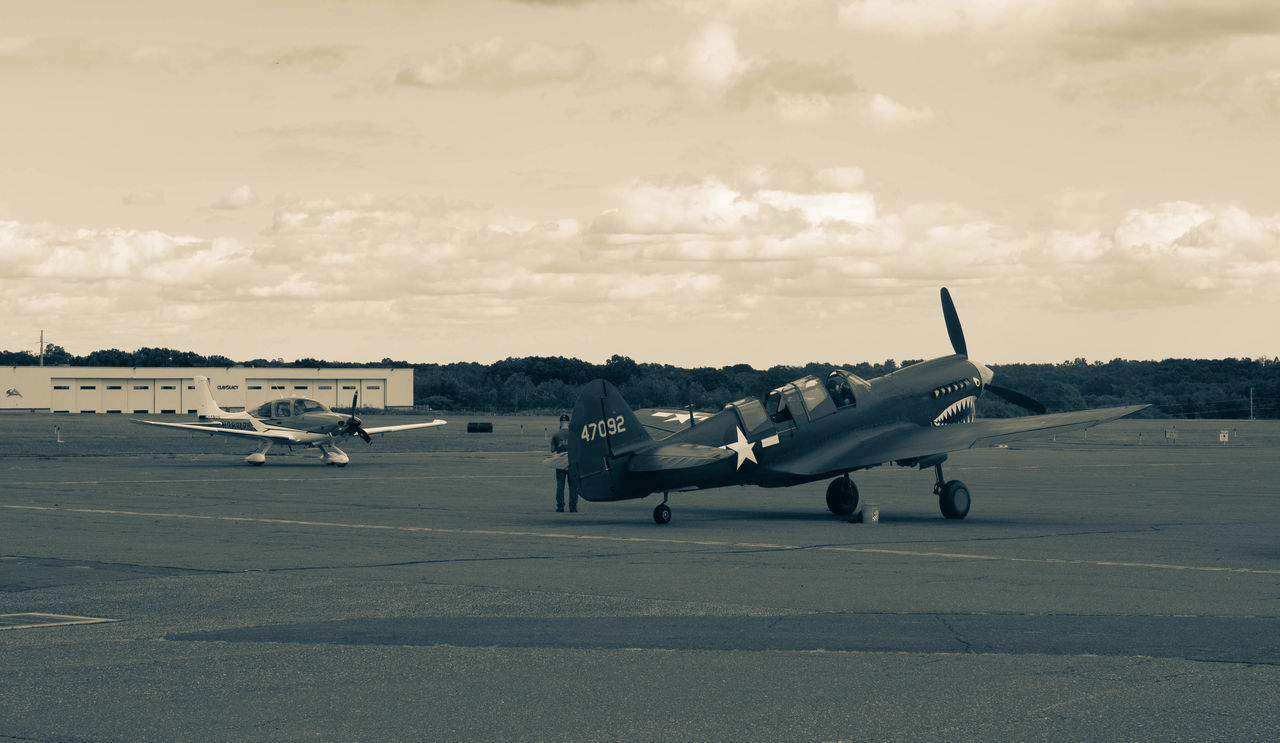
(961, 411)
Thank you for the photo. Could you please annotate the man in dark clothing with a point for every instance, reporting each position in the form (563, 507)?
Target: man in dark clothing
(560, 443)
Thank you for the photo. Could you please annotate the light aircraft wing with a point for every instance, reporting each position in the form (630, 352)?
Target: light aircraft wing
(268, 434)
(408, 426)
(910, 442)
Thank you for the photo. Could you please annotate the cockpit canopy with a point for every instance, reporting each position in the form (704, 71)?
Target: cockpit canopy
(845, 387)
(289, 408)
(813, 398)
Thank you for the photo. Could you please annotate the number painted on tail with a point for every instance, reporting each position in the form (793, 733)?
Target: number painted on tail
(607, 427)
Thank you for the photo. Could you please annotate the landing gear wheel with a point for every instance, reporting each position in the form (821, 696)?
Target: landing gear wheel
(842, 496)
(662, 514)
(344, 464)
(954, 500)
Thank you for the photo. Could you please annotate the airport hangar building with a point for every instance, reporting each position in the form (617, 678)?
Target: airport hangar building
(132, 390)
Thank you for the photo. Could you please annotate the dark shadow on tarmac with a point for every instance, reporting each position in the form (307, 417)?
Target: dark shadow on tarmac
(1253, 640)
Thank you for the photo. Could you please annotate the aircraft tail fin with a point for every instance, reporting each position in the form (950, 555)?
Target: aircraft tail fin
(603, 433)
(206, 407)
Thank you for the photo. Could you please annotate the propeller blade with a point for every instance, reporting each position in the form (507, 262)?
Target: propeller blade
(364, 435)
(954, 330)
(1017, 398)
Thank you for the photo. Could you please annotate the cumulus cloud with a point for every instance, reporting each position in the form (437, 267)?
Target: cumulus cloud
(495, 64)
(709, 69)
(765, 245)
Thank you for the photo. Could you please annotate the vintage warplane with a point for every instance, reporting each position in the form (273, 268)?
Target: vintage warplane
(287, 420)
(805, 431)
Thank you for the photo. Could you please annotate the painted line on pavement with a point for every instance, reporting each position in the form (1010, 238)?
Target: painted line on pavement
(651, 540)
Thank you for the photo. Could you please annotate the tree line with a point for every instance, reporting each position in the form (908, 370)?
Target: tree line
(1175, 388)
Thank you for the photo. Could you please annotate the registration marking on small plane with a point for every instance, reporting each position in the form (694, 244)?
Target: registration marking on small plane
(35, 619)
(658, 540)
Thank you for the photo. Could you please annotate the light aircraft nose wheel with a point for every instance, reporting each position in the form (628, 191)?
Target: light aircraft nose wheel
(954, 500)
(842, 496)
(662, 514)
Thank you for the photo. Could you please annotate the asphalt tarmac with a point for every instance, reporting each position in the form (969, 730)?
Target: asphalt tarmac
(1098, 590)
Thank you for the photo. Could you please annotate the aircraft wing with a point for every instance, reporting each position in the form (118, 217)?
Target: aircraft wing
(661, 423)
(906, 441)
(269, 434)
(408, 426)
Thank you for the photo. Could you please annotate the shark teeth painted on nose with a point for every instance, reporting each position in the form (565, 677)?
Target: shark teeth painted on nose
(961, 411)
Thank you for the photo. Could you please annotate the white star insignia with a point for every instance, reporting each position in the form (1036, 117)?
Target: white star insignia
(673, 416)
(743, 448)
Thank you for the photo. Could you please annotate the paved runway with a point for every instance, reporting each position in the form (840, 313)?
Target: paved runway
(1094, 592)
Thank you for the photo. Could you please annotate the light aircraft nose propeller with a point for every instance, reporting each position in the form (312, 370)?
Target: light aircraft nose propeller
(956, 333)
(353, 423)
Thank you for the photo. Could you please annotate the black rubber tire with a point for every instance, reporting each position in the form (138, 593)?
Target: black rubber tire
(842, 496)
(662, 514)
(953, 501)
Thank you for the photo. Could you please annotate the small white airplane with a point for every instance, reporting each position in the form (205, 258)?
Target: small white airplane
(287, 420)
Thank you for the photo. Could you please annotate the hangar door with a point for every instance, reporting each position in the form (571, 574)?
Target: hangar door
(115, 395)
(62, 398)
(169, 395)
(373, 393)
(141, 395)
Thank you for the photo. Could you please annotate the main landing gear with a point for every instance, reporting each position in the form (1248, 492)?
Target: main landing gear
(662, 512)
(842, 496)
(953, 496)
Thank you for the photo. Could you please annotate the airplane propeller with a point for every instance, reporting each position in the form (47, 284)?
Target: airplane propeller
(956, 333)
(1017, 398)
(353, 423)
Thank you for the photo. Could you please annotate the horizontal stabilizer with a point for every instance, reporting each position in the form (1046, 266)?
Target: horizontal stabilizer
(677, 457)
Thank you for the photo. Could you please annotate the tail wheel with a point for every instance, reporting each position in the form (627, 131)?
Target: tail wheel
(954, 500)
(662, 514)
(842, 496)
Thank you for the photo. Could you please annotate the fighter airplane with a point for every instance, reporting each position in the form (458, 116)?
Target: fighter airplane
(287, 420)
(808, 430)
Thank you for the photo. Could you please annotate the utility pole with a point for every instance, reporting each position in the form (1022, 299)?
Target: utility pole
(41, 348)
(1250, 403)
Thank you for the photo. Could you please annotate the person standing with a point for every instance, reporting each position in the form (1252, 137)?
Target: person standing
(560, 443)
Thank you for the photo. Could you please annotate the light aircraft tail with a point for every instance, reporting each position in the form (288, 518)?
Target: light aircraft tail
(603, 432)
(206, 407)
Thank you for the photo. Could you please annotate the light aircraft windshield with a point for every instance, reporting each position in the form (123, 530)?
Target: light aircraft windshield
(289, 408)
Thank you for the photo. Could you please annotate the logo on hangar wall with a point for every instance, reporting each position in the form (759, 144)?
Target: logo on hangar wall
(12, 392)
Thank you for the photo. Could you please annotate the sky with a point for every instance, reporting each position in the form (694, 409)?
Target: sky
(695, 183)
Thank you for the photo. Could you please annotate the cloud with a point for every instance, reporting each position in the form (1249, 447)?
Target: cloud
(1084, 28)
(239, 198)
(496, 65)
(709, 69)
(889, 112)
(780, 246)
(143, 198)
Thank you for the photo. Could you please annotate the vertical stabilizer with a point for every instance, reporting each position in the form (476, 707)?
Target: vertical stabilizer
(603, 431)
(206, 407)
